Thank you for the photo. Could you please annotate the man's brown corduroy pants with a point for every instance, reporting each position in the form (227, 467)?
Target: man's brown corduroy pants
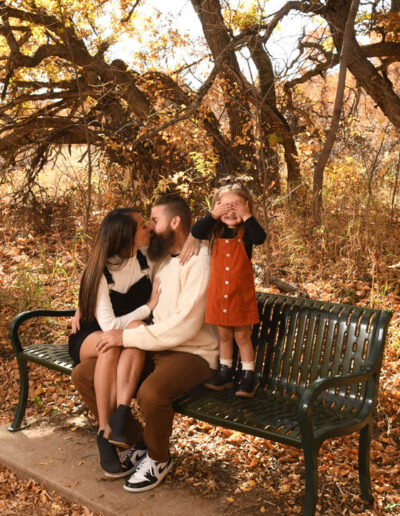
(166, 376)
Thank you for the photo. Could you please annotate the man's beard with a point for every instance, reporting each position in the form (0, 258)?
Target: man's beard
(160, 245)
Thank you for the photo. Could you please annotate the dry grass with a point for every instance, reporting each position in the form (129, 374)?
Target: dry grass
(351, 258)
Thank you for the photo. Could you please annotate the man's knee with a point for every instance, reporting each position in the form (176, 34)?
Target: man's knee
(83, 373)
(150, 398)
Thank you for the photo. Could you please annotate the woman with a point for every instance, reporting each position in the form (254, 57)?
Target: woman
(115, 293)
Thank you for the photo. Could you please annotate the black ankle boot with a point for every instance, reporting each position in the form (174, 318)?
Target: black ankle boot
(117, 422)
(246, 385)
(109, 459)
(223, 379)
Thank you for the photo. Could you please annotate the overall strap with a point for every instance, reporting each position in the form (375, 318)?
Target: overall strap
(142, 260)
(240, 232)
(108, 276)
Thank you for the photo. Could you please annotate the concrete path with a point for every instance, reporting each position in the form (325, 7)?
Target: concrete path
(66, 462)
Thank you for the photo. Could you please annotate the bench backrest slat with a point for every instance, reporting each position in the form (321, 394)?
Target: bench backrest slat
(299, 340)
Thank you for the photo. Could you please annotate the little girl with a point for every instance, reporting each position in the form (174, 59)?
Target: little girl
(232, 231)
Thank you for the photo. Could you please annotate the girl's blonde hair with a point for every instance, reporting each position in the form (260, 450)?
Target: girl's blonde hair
(236, 189)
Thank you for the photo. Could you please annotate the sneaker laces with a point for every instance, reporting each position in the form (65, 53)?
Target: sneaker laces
(146, 466)
(127, 454)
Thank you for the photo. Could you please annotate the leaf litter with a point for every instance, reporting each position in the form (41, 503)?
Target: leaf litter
(245, 475)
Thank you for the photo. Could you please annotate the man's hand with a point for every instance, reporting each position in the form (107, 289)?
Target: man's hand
(190, 248)
(76, 325)
(109, 339)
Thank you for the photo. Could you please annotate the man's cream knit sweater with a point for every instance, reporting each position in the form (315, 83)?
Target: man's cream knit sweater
(179, 315)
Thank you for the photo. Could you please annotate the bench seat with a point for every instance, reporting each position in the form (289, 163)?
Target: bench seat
(317, 371)
(52, 356)
(270, 414)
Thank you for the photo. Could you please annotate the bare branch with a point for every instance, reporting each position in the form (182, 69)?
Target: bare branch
(318, 70)
(186, 113)
(128, 16)
(382, 49)
(42, 96)
(331, 136)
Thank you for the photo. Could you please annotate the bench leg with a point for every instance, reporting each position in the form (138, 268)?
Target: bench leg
(363, 463)
(311, 494)
(23, 395)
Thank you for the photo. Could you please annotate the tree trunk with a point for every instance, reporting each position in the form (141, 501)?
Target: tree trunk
(331, 136)
(267, 95)
(236, 105)
(395, 6)
(376, 86)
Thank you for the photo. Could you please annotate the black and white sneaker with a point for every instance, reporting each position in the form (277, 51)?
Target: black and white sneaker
(130, 459)
(147, 475)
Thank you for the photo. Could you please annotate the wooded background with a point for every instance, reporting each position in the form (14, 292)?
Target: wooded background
(85, 128)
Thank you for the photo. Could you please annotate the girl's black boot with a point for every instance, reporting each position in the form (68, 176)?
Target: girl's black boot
(246, 388)
(223, 379)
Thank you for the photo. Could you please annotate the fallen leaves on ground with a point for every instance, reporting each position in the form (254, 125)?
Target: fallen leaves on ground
(245, 475)
(29, 497)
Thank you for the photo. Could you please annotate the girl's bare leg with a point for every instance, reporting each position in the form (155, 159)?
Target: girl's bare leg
(223, 378)
(105, 386)
(243, 340)
(225, 342)
(246, 387)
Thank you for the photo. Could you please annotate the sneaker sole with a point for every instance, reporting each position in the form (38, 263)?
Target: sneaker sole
(125, 473)
(219, 387)
(244, 394)
(121, 474)
(152, 486)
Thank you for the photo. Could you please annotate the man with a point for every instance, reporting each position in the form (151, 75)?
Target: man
(181, 349)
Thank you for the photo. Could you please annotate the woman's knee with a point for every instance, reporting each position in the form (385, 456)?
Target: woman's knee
(88, 348)
(110, 356)
(133, 353)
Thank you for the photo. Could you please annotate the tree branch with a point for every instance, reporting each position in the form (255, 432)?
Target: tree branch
(128, 16)
(331, 136)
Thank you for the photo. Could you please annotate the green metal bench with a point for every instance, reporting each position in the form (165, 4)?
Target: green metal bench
(54, 357)
(317, 368)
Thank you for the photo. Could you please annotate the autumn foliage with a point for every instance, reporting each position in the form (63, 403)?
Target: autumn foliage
(84, 128)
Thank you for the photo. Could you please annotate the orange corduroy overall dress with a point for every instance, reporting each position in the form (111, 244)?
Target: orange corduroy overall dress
(231, 296)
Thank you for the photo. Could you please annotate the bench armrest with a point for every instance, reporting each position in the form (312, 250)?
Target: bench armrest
(322, 384)
(24, 316)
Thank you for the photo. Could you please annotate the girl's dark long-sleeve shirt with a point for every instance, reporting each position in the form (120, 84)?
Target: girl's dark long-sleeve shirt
(253, 234)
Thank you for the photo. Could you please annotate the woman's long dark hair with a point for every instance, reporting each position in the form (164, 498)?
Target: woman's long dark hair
(116, 237)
